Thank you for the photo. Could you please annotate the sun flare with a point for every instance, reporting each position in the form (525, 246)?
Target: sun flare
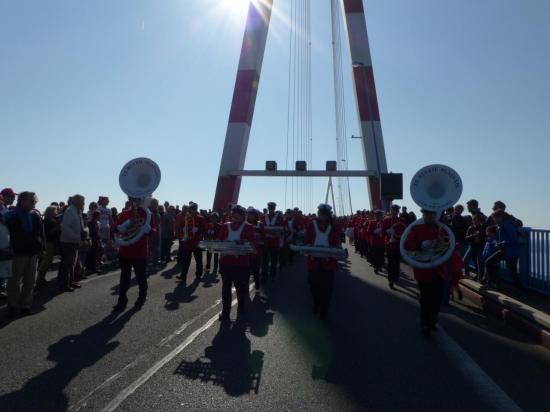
(235, 7)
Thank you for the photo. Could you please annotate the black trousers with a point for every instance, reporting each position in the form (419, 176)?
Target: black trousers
(69, 258)
(270, 258)
(286, 255)
(234, 276)
(165, 248)
(209, 256)
(321, 284)
(394, 262)
(431, 295)
(475, 254)
(126, 265)
(377, 256)
(92, 257)
(491, 268)
(255, 262)
(185, 260)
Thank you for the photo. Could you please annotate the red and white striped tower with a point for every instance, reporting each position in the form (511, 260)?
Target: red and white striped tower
(244, 99)
(365, 96)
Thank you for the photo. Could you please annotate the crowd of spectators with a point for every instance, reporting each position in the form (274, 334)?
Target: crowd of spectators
(82, 242)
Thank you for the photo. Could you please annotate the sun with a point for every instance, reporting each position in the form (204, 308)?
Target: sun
(235, 7)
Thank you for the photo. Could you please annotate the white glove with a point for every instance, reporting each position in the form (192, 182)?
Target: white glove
(426, 244)
(146, 228)
(195, 230)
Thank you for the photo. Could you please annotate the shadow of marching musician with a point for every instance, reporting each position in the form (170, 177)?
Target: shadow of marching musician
(72, 354)
(209, 279)
(259, 318)
(228, 362)
(183, 293)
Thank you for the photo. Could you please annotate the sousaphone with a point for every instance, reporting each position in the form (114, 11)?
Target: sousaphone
(139, 178)
(434, 188)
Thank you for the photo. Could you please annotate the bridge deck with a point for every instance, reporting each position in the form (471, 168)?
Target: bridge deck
(74, 354)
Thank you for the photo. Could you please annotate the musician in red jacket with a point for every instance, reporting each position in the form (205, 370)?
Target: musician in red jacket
(321, 232)
(235, 270)
(273, 242)
(134, 255)
(252, 217)
(212, 230)
(291, 229)
(190, 230)
(393, 227)
(375, 232)
(430, 281)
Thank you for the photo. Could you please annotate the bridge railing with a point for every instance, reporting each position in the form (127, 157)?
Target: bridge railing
(534, 262)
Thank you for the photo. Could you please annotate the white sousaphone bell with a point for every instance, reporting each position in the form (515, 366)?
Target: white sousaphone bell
(139, 178)
(434, 188)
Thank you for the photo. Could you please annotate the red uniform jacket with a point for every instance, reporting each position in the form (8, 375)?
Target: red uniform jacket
(259, 235)
(196, 229)
(247, 234)
(314, 263)
(395, 224)
(376, 238)
(272, 241)
(417, 235)
(212, 230)
(140, 249)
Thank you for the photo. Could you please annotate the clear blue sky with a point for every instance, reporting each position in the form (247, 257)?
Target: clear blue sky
(87, 85)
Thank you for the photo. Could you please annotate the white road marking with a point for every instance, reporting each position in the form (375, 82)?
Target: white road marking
(82, 403)
(121, 397)
(186, 324)
(483, 385)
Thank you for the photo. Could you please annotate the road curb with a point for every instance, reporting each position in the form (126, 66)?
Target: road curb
(525, 318)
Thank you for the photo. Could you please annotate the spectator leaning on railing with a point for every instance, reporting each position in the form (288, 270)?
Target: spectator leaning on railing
(508, 248)
(475, 236)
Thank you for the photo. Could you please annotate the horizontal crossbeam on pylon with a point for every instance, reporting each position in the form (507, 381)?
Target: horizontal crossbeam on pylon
(308, 173)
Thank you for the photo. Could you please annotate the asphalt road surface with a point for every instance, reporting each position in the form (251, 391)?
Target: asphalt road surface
(75, 354)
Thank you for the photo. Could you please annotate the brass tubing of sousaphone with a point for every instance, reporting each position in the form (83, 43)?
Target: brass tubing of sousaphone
(435, 188)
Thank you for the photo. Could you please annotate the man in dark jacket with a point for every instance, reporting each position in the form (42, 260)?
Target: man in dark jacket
(27, 241)
(459, 226)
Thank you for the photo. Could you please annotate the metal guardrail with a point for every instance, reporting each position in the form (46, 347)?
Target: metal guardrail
(534, 263)
(534, 260)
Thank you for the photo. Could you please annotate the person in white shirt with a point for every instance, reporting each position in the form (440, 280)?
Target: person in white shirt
(72, 227)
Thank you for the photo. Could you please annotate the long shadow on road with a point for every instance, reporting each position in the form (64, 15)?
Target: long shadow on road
(72, 354)
(228, 362)
(372, 348)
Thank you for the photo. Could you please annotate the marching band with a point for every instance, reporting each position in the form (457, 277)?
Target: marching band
(245, 242)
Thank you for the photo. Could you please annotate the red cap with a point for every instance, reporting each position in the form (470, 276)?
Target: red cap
(8, 191)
